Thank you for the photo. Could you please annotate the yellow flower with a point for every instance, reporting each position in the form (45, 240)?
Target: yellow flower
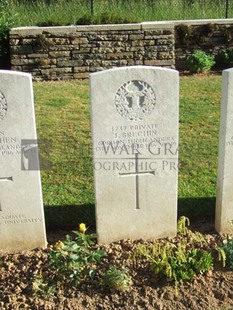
(82, 228)
(59, 245)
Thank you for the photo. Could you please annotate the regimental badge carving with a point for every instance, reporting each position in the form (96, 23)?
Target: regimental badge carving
(135, 100)
(3, 106)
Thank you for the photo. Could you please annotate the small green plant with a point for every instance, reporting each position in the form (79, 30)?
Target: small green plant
(179, 260)
(1, 263)
(117, 279)
(224, 59)
(41, 287)
(227, 247)
(199, 62)
(75, 259)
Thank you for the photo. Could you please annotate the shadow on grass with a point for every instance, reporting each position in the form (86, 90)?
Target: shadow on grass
(200, 211)
(68, 217)
(197, 208)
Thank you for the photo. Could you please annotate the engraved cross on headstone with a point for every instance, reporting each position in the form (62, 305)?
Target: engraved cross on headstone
(136, 174)
(5, 179)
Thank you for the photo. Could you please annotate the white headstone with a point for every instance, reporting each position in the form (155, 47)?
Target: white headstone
(224, 200)
(22, 225)
(135, 142)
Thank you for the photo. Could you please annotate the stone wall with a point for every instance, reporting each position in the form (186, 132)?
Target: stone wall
(210, 36)
(72, 52)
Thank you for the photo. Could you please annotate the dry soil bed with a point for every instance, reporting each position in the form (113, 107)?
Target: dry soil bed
(211, 291)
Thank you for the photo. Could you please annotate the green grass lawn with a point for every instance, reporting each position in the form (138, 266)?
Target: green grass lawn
(67, 12)
(63, 120)
(199, 130)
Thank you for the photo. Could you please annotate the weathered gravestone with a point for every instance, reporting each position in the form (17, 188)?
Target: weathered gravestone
(224, 200)
(135, 141)
(22, 224)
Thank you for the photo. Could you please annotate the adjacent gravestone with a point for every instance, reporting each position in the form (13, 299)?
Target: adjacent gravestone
(224, 200)
(22, 225)
(135, 142)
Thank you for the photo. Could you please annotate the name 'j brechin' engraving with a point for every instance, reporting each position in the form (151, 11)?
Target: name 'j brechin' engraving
(135, 100)
(3, 106)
